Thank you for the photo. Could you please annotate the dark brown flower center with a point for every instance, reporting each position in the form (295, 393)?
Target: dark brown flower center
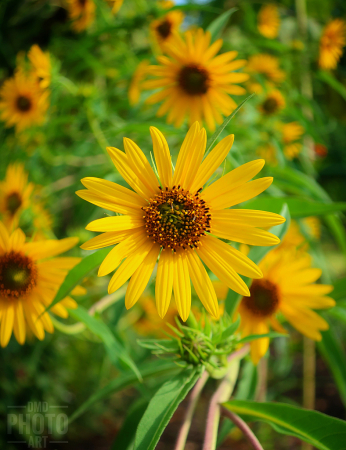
(263, 300)
(164, 29)
(23, 103)
(82, 3)
(175, 219)
(13, 202)
(194, 80)
(270, 105)
(18, 275)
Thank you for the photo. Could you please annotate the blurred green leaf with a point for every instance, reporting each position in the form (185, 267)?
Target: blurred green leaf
(328, 78)
(333, 353)
(230, 330)
(219, 24)
(115, 350)
(298, 207)
(162, 406)
(126, 379)
(339, 291)
(78, 273)
(322, 431)
(252, 337)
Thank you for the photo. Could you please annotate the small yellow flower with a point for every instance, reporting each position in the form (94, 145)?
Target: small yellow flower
(268, 21)
(267, 65)
(193, 82)
(116, 5)
(164, 28)
(272, 103)
(137, 80)
(291, 133)
(22, 101)
(288, 287)
(41, 65)
(15, 192)
(174, 219)
(82, 13)
(268, 153)
(332, 41)
(30, 276)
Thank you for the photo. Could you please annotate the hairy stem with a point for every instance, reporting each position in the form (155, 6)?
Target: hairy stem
(309, 368)
(243, 426)
(221, 395)
(194, 396)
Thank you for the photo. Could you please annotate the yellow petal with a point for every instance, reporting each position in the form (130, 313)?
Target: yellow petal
(212, 162)
(67, 262)
(182, 285)
(162, 157)
(19, 323)
(248, 218)
(49, 248)
(4, 238)
(232, 180)
(129, 266)
(16, 241)
(184, 153)
(141, 277)
(7, 324)
(116, 223)
(121, 251)
(106, 239)
(245, 235)
(202, 284)
(164, 282)
(107, 203)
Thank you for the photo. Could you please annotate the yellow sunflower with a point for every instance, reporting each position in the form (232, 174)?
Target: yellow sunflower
(267, 65)
(30, 277)
(82, 13)
(116, 5)
(272, 103)
(193, 82)
(15, 192)
(292, 132)
(174, 219)
(22, 101)
(137, 80)
(268, 21)
(332, 41)
(164, 28)
(41, 65)
(288, 287)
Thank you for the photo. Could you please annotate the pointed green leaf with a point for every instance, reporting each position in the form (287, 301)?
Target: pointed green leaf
(218, 25)
(252, 337)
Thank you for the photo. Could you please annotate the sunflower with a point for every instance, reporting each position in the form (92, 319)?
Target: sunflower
(15, 192)
(268, 21)
(288, 287)
(164, 28)
(116, 5)
(332, 41)
(272, 103)
(292, 132)
(177, 220)
(22, 101)
(267, 65)
(30, 277)
(41, 65)
(137, 80)
(193, 82)
(82, 13)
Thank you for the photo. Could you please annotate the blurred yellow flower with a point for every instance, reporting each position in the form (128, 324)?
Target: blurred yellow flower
(268, 153)
(116, 5)
(30, 277)
(15, 192)
(171, 219)
(267, 65)
(137, 80)
(268, 21)
(41, 65)
(164, 28)
(82, 13)
(313, 226)
(332, 41)
(22, 101)
(272, 103)
(193, 82)
(289, 287)
(291, 133)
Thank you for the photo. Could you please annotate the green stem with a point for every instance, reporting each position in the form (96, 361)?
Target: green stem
(97, 132)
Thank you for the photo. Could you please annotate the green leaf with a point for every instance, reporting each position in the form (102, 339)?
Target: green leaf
(333, 353)
(298, 207)
(252, 337)
(78, 273)
(339, 291)
(333, 82)
(218, 25)
(115, 350)
(162, 406)
(256, 254)
(230, 330)
(322, 431)
(148, 370)
(217, 133)
(125, 436)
